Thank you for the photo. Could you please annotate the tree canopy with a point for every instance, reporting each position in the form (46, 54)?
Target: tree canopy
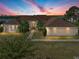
(72, 12)
(24, 26)
(40, 25)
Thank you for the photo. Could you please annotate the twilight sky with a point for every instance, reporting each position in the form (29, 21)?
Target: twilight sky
(36, 7)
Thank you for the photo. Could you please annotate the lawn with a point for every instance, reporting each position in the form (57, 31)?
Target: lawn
(57, 50)
(15, 45)
(38, 35)
(7, 33)
(62, 37)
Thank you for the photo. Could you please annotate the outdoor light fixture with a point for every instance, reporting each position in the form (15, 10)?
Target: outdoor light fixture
(54, 29)
(67, 28)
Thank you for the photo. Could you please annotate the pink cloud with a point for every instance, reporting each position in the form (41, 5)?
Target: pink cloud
(6, 10)
(60, 10)
(34, 4)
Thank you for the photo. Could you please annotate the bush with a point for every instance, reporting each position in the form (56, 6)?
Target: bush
(16, 48)
(41, 28)
(37, 35)
(44, 32)
(1, 29)
(23, 27)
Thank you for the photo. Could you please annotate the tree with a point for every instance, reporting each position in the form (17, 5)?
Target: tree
(41, 27)
(24, 26)
(72, 13)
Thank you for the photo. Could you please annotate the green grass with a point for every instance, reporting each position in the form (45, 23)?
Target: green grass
(13, 35)
(15, 47)
(62, 37)
(52, 50)
(37, 35)
(57, 50)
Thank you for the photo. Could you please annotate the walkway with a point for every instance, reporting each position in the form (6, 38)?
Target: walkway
(31, 34)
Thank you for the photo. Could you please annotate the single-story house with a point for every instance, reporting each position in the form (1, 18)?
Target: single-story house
(54, 26)
(60, 27)
(12, 25)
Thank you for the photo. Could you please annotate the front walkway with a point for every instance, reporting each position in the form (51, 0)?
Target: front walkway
(31, 34)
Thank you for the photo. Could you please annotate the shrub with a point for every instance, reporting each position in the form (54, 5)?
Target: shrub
(16, 48)
(41, 27)
(1, 29)
(44, 32)
(23, 27)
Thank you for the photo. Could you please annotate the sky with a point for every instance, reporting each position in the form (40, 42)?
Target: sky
(36, 7)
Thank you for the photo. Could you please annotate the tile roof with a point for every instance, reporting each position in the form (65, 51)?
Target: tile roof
(54, 22)
(49, 21)
(11, 22)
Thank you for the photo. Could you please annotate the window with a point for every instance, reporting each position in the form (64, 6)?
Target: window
(54, 29)
(67, 29)
(12, 27)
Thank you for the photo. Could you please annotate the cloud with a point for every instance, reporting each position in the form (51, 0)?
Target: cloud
(34, 4)
(5, 10)
(58, 10)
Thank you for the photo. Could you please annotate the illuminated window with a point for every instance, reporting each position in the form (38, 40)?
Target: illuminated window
(67, 28)
(12, 27)
(54, 30)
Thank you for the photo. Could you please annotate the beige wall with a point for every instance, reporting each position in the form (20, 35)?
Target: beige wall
(32, 24)
(10, 28)
(62, 31)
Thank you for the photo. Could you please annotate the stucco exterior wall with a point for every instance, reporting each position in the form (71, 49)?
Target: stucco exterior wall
(10, 28)
(62, 31)
(32, 24)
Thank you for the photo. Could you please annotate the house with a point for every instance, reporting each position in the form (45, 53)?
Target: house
(9, 23)
(55, 26)
(60, 27)
(10, 26)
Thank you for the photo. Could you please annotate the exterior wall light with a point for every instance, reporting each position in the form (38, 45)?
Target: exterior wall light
(68, 29)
